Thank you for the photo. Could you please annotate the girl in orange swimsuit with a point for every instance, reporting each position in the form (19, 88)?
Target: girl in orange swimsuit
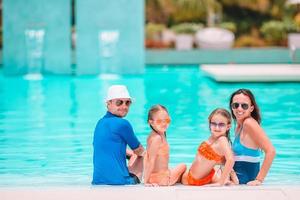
(156, 159)
(215, 151)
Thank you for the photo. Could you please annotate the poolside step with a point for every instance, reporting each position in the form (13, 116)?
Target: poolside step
(253, 72)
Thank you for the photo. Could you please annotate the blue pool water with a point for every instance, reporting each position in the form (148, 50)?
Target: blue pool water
(46, 126)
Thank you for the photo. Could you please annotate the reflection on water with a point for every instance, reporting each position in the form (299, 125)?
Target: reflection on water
(46, 126)
(34, 45)
(108, 43)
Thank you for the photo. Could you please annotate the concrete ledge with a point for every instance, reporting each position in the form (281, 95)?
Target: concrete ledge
(178, 192)
(253, 73)
(236, 55)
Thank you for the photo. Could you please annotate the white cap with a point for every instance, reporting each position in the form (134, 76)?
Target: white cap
(117, 92)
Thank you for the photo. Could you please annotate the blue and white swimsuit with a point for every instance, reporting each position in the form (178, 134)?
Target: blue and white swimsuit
(247, 160)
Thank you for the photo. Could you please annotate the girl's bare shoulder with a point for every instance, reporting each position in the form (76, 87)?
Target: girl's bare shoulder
(154, 138)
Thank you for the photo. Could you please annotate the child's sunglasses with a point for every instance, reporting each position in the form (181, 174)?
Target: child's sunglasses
(160, 121)
(215, 125)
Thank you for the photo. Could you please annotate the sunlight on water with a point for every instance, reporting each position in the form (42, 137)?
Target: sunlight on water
(33, 77)
(109, 76)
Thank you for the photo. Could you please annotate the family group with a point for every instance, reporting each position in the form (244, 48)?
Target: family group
(218, 161)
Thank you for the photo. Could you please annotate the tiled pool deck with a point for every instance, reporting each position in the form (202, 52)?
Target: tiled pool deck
(177, 192)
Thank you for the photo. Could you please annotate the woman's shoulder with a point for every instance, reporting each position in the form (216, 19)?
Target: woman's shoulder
(251, 126)
(250, 122)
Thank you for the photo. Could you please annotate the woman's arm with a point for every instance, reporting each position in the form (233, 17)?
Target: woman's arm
(263, 142)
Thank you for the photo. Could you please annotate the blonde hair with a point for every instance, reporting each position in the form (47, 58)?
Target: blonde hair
(154, 109)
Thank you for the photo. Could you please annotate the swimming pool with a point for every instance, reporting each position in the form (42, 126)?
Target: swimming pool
(46, 126)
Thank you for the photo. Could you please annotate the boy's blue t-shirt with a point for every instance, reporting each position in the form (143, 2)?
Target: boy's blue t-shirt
(111, 136)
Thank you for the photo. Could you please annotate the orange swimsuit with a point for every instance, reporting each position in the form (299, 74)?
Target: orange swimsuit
(161, 177)
(207, 152)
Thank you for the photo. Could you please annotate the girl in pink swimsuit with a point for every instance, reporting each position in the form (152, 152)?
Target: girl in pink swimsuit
(156, 159)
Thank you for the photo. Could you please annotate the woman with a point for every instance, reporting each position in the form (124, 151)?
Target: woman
(250, 138)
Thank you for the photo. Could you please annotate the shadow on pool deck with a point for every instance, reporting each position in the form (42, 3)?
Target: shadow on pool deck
(178, 192)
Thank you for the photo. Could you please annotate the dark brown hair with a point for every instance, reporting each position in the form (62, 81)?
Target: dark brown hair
(255, 113)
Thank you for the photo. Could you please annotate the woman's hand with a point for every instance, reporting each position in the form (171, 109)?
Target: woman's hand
(254, 182)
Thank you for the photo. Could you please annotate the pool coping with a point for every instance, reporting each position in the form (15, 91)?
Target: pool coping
(264, 55)
(253, 72)
(180, 192)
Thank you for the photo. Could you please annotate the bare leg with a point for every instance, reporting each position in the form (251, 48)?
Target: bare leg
(176, 173)
(137, 167)
(217, 174)
(184, 179)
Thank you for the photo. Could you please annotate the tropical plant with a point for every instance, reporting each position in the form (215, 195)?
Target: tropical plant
(154, 31)
(274, 32)
(186, 28)
(262, 6)
(249, 41)
(231, 26)
(159, 11)
(197, 11)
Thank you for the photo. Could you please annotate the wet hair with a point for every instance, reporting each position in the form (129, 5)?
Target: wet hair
(154, 109)
(256, 112)
(223, 112)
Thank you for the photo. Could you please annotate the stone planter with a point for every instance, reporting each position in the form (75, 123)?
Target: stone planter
(293, 44)
(184, 41)
(294, 40)
(214, 38)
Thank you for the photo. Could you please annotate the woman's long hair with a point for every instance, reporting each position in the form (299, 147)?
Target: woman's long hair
(256, 112)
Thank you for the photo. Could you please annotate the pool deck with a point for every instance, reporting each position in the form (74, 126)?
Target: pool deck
(177, 192)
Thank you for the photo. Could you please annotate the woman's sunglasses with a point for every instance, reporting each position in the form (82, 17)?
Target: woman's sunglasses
(236, 105)
(119, 102)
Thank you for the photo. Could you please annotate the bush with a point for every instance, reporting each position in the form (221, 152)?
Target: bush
(153, 31)
(274, 32)
(188, 28)
(291, 26)
(231, 26)
(249, 41)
